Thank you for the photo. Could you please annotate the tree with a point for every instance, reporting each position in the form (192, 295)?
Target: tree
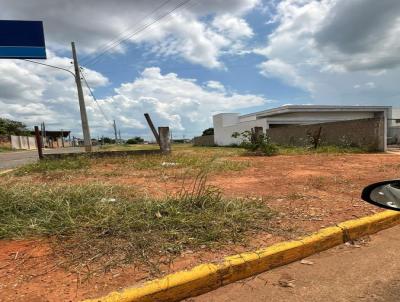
(108, 140)
(135, 140)
(209, 131)
(10, 127)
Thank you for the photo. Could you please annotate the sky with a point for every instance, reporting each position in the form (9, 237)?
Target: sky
(183, 61)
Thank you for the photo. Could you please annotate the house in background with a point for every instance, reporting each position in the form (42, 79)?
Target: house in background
(225, 124)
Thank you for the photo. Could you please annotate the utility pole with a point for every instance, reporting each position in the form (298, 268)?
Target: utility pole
(119, 134)
(85, 123)
(115, 132)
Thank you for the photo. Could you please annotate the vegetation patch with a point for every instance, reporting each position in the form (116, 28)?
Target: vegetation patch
(100, 227)
(293, 150)
(49, 165)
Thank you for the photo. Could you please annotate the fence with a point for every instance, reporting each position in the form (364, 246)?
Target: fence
(23, 142)
(363, 133)
(207, 140)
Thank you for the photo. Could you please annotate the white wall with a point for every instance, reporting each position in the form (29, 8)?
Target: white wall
(223, 134)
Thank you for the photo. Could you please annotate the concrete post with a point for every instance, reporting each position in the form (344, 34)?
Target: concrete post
(165, 143)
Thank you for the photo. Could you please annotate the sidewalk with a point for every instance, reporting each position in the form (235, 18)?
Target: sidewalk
(368, 271)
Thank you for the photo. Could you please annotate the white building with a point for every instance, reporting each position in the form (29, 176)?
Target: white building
(227, 123)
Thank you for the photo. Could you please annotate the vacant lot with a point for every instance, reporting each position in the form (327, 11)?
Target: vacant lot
(78, 228)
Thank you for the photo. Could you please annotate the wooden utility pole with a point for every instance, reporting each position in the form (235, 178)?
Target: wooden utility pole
(38, 142)
(85, 123)
(115, 132)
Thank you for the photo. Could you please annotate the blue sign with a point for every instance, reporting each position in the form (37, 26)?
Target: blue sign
(22, 40)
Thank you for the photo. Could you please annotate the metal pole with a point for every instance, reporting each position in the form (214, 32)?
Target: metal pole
(38, 142)
(85, 123)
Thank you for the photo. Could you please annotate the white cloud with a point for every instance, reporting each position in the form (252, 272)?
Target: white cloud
(49, 95)
(180, 103)
(232, 26)
(328, 47)
(93, 23)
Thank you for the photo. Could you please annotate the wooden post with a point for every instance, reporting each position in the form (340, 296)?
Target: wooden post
(165, 143)
(153, 129)
(38, 142)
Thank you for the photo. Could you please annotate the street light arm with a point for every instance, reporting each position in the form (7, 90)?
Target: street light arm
(56, 67)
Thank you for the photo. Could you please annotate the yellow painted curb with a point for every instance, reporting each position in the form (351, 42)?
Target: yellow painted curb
(206, 277)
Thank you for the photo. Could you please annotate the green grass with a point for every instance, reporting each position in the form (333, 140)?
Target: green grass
(100, 226)
(292, 150)
(54, 165)
(5, 149)
(186, 159)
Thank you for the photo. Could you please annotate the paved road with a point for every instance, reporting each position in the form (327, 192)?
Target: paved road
(15, 159)
(367, 273)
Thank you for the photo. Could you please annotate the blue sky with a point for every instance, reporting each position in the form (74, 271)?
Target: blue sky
(206, 57)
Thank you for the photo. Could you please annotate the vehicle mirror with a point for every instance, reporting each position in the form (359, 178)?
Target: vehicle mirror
(385, 194)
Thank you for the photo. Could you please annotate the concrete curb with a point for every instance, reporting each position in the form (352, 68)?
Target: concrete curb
(206, 277)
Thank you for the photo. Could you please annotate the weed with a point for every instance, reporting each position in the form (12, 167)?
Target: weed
(100, 226)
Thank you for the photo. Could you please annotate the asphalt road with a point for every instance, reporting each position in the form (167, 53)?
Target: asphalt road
(9, 160)
(366, 272)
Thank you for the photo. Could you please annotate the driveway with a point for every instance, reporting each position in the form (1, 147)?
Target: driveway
(9, 160)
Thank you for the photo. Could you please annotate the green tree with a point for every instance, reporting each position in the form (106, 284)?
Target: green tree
(135, 140)
(209, 131)
(10, 127)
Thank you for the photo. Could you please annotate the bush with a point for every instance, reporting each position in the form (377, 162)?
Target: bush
(258, 145)
(135, 140)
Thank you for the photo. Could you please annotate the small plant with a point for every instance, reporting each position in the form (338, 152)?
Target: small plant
(257, 143)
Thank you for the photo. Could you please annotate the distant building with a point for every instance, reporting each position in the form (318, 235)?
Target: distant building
(56, 139)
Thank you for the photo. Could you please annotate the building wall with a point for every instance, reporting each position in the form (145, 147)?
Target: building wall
(224, 127)
(318, 117)
(23, 142)
(205, 140)
(227, 123)
(368, 134)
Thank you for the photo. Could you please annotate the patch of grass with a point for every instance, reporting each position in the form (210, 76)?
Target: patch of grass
(191, 162)
(100, 226)
(292, 150)
(126, 147)
(5, 148)
(54, 165)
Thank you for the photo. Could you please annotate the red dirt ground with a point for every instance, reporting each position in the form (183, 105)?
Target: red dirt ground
(309, 191)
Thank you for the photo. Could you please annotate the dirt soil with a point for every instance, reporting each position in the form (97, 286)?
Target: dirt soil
(309, 192)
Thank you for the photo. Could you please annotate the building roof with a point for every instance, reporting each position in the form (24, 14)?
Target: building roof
(55, 134)
(315, 108)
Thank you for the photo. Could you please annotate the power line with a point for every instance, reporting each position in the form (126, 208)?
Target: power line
(95, 59)
(94, 98)
(104, 46)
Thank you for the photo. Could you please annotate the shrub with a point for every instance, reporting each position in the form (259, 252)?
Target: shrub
(257, 144)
